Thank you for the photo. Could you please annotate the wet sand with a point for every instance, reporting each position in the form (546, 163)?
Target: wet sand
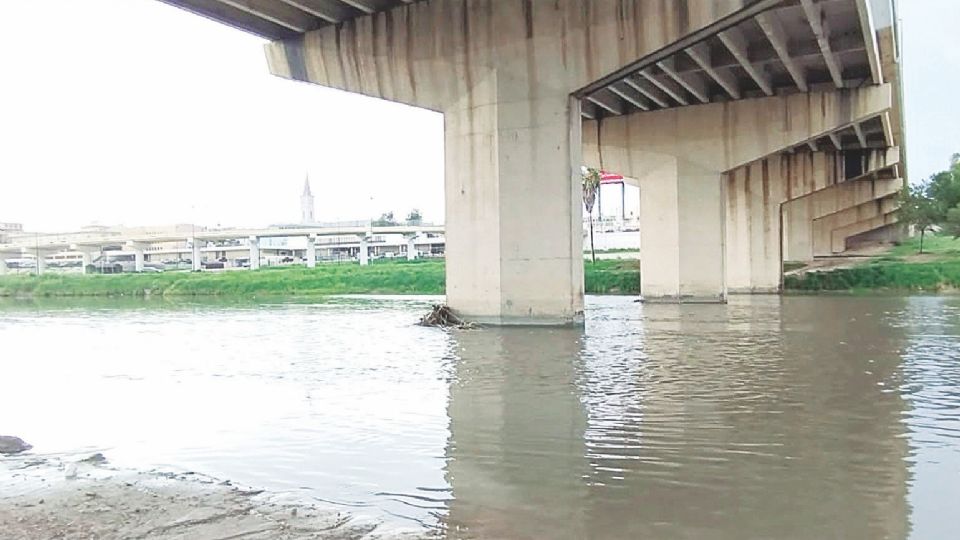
(69, 498)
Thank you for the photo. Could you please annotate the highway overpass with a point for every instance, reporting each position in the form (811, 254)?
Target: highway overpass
(724, 111)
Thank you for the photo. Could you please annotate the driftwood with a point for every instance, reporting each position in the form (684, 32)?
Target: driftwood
(444, 317)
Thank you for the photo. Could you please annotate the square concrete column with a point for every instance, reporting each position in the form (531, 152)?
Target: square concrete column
(86, 260)
(196, 262)
(254, 252)
(412, 247)
(682, 235)
(312, 251)
(138, 259)
(513, 203)
(364, 251)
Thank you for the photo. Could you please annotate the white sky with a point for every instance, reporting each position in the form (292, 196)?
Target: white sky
(134, 112)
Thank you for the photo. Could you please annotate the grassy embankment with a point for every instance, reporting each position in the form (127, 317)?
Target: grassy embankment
(383, 277)
(901, 269)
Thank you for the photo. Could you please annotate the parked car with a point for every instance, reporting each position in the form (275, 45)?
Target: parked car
(110, 263)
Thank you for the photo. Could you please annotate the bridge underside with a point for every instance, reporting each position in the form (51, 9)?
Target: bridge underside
(725, 111)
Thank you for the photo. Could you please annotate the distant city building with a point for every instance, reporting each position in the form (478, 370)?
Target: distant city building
(306, 203)
(8, 229)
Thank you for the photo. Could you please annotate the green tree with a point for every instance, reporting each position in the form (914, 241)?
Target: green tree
(951, 225)
(591, 185)
(414, 217)
(917, 208)
(385, 220)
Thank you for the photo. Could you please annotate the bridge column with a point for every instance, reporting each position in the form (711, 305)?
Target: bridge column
(254, 242)
(137, 255)
(411, 247)
(196, 261)
(86, 257)
(311, 251)
(364, 251)
(682, 236)
(513, 202)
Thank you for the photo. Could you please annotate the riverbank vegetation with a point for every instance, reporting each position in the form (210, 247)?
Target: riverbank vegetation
(383, 277)
(901, 269)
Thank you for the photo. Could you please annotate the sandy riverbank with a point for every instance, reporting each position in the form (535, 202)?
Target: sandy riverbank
(70, 498)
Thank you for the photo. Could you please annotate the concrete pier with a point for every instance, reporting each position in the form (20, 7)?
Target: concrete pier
(411, 247)
(364, 250)
(311, 253)
(254, 243)
(196, 261)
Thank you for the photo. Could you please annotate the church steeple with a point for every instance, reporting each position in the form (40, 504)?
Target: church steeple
(306, 202)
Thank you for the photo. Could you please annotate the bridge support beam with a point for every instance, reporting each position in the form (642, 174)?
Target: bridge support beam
(254, 243)
(311, 254)
(682, 236)
(411, 247)
(364, 250)
(196, 261)
(86, 260)
(510, 261)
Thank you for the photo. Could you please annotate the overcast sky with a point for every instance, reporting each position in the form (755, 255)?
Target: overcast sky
(134, 112)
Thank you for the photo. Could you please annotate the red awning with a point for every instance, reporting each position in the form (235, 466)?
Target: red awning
(610, 178)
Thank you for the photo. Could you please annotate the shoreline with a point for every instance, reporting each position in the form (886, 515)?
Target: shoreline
(67, 497)
(898, 270)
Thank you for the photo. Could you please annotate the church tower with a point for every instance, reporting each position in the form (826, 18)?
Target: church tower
(306, 202)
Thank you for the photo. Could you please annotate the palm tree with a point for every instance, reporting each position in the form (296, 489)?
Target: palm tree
(591, 185)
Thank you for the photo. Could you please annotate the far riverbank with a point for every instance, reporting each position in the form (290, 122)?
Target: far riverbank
(900, 269)
(382, 277)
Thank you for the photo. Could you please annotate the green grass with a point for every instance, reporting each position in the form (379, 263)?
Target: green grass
(612, 276)
(937, 245)
(387, 277)
(898, 270)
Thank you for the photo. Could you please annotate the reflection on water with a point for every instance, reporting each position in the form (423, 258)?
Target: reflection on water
(769, 417)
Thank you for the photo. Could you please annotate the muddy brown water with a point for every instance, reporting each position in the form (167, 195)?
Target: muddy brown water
(796, 417)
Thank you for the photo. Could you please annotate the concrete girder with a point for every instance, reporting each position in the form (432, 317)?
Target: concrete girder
(693, 84)
(871, 48)
(800, 216)
(776, 35)
(631, 96)
(737, 45)
(831, 231)
(278, 13)
(840, 236)
(861, 138)
(332, 12)
(723, 136)
(608, 102)
(821, 29)
(701, 55)
(668, 86)
(647, 89)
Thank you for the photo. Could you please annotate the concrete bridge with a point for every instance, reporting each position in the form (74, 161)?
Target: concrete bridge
(139, 244)
(737, 119)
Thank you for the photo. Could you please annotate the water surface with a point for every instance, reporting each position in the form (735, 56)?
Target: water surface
(794, 417)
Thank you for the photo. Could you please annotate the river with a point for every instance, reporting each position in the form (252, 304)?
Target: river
(793, 417)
